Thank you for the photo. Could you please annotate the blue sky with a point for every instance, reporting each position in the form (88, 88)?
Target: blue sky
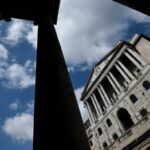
(87, 31)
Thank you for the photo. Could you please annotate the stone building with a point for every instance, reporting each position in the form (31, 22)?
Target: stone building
(117, 98)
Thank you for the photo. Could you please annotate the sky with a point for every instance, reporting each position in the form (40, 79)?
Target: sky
(87, 31)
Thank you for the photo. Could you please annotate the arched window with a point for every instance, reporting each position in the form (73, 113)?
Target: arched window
(143, 112)
(133, 98)
(108, 121)
(100, 131)
(146, 85)
(115, 136)
(105, 145)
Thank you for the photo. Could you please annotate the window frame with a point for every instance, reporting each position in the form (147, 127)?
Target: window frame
(143, 114)
(108, 122)
(133, 98)
(146, 85)
(115, 138)
(100, 133)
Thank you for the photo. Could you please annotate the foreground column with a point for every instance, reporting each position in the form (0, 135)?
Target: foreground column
(57, 123)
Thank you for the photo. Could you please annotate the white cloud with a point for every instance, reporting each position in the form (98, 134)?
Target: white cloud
(30, 107)
(18, 76)
(3, 60)
(30, 66)
(32, 36)
(14, 105)
(83, 111)
(88, 29)
(16, 31)
(80, 68)
(20, 30)
(3, 53)
(19, 127)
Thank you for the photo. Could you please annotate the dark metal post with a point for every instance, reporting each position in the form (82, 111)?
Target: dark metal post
(142, 6)
(57, 123)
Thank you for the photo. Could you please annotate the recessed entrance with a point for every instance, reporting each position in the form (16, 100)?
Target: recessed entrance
(125, 118)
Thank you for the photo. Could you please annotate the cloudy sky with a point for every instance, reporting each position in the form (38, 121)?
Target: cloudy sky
(87, 30)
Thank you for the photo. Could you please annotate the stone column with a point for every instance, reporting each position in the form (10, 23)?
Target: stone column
(95, 105)
(125, 69)
(122, 73)
(56, 112)
(116, 82)
(106, 98)
(118, 123)
(133, 61)
(107, 133)
(113, 85)
(137, 56)
(90, 113)
(103, 98)
(99, 108)
(105, 95)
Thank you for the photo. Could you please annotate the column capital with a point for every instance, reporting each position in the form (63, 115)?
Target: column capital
(137, 56)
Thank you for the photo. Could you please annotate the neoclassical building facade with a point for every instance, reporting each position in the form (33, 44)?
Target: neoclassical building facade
(117, 98)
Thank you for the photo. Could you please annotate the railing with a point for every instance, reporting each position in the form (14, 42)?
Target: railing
(132, 133)
(134, 128)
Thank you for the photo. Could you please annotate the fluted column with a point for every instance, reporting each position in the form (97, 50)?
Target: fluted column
(103, 98)
(90, 112)
(113, 85)
(116, 82)
(95, 105)
(125, 69)
(105, 95)
(133, 60)
(90, 118)
(99, 108)
(137, 56)
(122, 73)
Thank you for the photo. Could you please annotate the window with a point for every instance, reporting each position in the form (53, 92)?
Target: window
(91, 143)
(115, 136)
(105, 145)
(146, 85)
(138, 70)
(108, 122)
(133, 98)
(143, 112)
(100, 131)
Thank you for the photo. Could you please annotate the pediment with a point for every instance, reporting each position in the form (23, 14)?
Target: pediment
(97, 70)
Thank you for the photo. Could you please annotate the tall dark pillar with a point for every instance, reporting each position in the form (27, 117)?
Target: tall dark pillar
(57, 123)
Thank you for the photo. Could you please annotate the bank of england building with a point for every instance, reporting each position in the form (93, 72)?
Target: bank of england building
(117, 98)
